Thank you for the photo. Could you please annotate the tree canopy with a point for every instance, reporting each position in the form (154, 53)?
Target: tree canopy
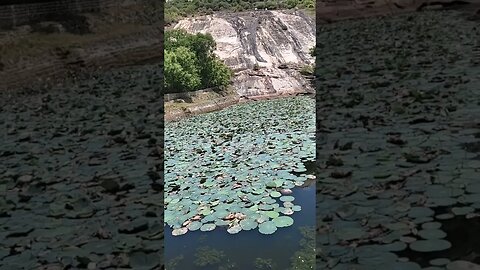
(176, 9)
(190, 63)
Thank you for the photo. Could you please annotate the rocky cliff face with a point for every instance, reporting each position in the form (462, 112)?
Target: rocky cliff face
(266, 49)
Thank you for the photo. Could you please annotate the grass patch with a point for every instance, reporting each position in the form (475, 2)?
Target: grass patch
(307, 70)
(310, 12)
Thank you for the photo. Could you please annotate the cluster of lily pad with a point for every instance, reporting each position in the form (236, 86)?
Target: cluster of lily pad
(398, 141)
(79, 175)
(237, 167)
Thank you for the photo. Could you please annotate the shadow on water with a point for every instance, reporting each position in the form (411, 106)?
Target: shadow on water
(247, 249)
(462, 233)
(310, 167)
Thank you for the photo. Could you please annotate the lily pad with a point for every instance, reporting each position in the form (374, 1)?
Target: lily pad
(234, 229)
(296, 208)
(432, 225)
(430, 245)
(350, 233)
(396, 246)
(460, 211)
(195, 225)
(288, 204)
(142, 260)
(440, 262)
(432, 234)
(207, 227)
(267, 227)
(272, 214)
(462, 265)
(179, 231)
(287, 198)
(248, 224)
(287, 211)
(275, 194)
(416, 212)
(283, 221)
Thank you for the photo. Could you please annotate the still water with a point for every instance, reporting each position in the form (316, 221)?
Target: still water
(242, 250)
(261, 148)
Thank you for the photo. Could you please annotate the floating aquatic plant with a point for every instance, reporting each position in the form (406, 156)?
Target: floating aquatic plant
(235, 169)
(392, 171)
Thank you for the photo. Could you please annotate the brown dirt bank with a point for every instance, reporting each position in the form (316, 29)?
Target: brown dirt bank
(66, 56)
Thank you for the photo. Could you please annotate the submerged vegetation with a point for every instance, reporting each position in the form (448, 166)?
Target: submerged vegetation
(190, 63)
(206, 256)
(177, 9)
(304, 259)
(264, 264)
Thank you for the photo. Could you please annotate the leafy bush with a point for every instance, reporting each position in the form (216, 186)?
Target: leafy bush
(181, 70)
(190, 63)
(307, 70)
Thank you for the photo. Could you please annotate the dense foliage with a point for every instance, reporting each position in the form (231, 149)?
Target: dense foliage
(176, 9)
(190, 63)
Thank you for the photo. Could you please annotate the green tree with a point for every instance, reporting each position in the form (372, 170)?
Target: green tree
(183, 8)
(181, 70)
(202, 45)
(309, 4)
(292, 3)
(190, 62)
(216, 74)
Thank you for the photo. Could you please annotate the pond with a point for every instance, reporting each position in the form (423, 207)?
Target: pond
(75, 166)
(240, 190)
(398, 176)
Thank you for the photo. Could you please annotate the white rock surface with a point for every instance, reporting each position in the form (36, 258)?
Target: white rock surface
(255, 43)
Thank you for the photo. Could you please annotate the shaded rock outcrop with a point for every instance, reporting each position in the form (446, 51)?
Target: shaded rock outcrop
(266, 49)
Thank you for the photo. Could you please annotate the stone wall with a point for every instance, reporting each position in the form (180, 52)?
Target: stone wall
(205, 107)
(188, 95)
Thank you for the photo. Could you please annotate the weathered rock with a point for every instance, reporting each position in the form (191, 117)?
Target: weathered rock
(262, 47)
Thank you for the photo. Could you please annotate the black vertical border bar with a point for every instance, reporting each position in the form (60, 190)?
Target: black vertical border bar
(162, 130)
(317, 249)
(317, 135)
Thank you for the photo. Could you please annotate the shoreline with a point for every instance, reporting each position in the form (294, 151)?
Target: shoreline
(173, 115)
(324, 15)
